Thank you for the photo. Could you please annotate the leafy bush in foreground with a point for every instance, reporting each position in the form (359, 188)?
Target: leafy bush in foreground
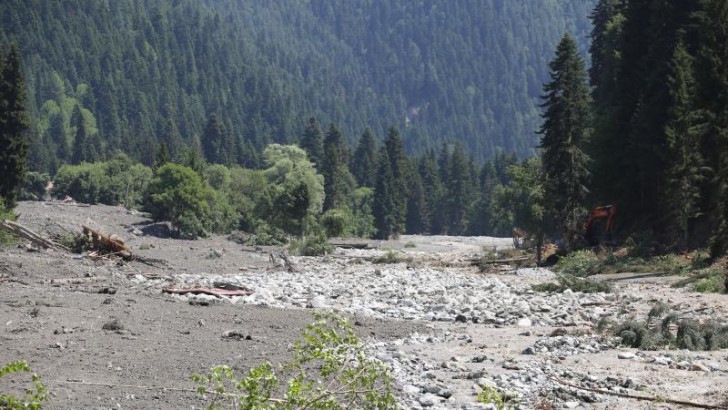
(34, 396)
(330, 370)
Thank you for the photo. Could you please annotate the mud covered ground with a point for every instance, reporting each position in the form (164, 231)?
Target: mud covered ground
(110, 338)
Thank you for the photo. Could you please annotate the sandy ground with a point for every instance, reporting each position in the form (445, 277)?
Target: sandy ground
(160, 341)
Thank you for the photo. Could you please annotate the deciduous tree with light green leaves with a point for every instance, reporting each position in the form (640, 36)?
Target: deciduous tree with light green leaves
(297, 191)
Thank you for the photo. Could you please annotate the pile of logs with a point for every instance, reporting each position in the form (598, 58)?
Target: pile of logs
(101, 243)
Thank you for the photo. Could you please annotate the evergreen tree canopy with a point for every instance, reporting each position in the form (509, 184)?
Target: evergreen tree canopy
(14, 125)
(564, 132)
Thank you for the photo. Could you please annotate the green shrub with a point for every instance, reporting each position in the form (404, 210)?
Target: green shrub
(119, 181)
(330, 370)
(178, 194)
(314, 245)
(501, 400)
(581, 263)
(34, 187)
(335, 222)
(34, 396)
(6, 214)
(691, 333)
(706, 281)
(391, 257)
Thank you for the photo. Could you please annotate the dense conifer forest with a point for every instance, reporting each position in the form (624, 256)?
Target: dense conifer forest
(381, 119)
(140, 70)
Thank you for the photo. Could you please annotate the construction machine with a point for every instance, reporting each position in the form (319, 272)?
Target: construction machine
(599, 225)
(598, 228)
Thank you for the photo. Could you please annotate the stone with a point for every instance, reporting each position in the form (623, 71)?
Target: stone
(427, 400)
(318, 302)
(524, 322)
(626, 355)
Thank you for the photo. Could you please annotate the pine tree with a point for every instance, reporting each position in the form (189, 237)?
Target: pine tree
(339, 184)
(563, 133)
(364, 163)
(14, 126)
(712, 101)
(399, 167)
(459, 187)
(171, 139)
(686, 169)
(312, 141)
(429, 172)
(383, 209)
(80, 142)
(213, 141)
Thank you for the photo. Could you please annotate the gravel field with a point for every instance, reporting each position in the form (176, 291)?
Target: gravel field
(445, 329)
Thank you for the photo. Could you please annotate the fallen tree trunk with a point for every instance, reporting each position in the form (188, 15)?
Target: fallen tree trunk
(107, 243)
(26, 233)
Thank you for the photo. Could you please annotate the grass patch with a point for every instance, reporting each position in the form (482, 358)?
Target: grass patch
(707, 281)
(581, 264)
(410, 245)
(6, 238)
(576, 284)
(392, 257)
(316, 245)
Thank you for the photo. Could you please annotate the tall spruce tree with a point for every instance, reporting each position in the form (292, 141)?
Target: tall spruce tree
(459, 188)
(312, 141)
(383, 209)
(564, 132)
(213, 141)
(686, 171)
(712, 101)
(399, 166)
(14, 126)
(364, 163)
(339, 184)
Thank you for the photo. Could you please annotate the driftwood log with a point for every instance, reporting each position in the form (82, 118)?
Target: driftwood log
(26, 233)
(106, 244)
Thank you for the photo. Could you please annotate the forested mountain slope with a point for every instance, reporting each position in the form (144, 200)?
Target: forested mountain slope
(139, 71)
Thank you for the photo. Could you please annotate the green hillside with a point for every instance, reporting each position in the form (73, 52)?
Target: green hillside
(141, 71)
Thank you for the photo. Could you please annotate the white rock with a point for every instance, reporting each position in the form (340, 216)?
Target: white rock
(626, 355)
(524, 322)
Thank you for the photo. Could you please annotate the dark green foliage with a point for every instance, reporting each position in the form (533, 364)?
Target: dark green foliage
(177, 194)
(312, 141)
(442, 71)
(290, 208)
(364, 163)
(712, 101)
(564, 132)
(334, 222)
(390, 191)
(459, 187)
(338, 181)
(686, 170)
(576, 284)
(6, 213)
(657, 332)
(216, 143)
(315, 245)
(34, 187)
(632, 333)
(118, 181)
(14, 126)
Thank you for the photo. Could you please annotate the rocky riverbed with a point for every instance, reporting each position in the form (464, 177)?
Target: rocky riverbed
(446, 330)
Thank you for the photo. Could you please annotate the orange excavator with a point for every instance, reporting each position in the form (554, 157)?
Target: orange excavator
(599, 225)
(598, 229)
